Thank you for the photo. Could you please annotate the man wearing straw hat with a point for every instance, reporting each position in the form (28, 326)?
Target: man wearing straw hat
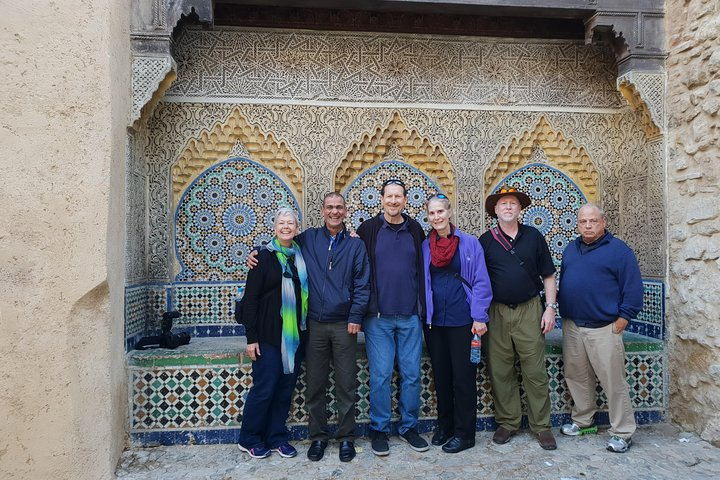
(520, 267)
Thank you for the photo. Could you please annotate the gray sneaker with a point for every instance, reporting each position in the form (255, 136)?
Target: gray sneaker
(573, 429)
(618, 445)
(416, 442)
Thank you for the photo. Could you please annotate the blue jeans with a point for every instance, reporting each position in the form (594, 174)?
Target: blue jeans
(386, 338)
(268, 402)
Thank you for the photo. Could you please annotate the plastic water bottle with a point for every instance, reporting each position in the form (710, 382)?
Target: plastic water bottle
(475, 349)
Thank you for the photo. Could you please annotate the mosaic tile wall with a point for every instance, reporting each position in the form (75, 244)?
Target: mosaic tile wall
(650, 322)
(487, 94)
(363, 195)
(226, 211)
(144, 306)
(200, 393)
(555, 201)
(469, 117)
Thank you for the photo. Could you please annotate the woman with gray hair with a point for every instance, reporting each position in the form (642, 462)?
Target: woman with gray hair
(274, 314)
(457, 295)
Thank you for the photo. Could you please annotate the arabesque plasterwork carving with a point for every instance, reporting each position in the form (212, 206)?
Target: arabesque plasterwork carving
(645, 92)
(396, 141)
(384, 68)
(220, 141)
(561, 152)
(320, 138)
(151, 77)
(503, 98)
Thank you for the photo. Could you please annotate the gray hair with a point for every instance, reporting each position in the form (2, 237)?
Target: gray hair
(287, 212)
(596, 207)
(444, 200)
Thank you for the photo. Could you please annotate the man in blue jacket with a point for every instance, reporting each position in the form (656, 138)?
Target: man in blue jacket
(600, 291)
(339, 290)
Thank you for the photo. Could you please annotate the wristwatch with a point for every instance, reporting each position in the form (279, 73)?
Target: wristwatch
(554, 306)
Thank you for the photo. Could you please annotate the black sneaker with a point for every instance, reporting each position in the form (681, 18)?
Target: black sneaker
(416, 442)
(379, 443)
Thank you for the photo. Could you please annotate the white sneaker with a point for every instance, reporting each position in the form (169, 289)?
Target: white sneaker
(618, 445)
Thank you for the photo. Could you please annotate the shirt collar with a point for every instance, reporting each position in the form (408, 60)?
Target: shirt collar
(387, 224)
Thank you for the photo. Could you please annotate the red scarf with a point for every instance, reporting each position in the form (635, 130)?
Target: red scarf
(442, 249)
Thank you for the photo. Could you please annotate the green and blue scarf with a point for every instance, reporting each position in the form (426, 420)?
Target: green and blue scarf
(288, 311)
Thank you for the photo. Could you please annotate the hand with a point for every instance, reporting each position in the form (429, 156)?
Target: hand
(354, 234)
(353, 328)
(548, 320)
(479, 327)
(253, 351)
(252, 259)
(619, 325)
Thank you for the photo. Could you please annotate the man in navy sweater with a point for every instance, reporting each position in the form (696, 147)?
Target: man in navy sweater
(601, 290)
(392, 327)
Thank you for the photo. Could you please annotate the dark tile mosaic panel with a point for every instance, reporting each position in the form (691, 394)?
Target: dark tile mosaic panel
(136, 309)
(205, 303)
(651, 320)
(191, 395)
(227, 435)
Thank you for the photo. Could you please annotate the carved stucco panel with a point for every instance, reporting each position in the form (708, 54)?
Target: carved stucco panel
(414, 149)
(216, 144)
(135, 211)
(321, 137)
(561, 152)
(151, 76)
(270, 65)
(646, 92)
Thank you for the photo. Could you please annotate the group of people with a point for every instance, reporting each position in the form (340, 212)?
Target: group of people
(309, 294)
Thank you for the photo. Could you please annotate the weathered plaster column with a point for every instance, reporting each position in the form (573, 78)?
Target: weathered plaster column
(694, 214)
(63, 117)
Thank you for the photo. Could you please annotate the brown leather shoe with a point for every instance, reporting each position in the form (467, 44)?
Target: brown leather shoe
(503, 435)
(546, 440)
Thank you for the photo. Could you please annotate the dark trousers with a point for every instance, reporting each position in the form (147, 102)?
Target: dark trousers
(455, 379)
(268, 402)
(328, 341)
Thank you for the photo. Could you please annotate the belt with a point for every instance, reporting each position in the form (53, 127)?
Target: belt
(513, 306)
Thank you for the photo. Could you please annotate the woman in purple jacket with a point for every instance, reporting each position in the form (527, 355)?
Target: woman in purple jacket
(458, 294)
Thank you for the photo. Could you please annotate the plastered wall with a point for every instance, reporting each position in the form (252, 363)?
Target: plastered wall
(694, 214)
(66, 69)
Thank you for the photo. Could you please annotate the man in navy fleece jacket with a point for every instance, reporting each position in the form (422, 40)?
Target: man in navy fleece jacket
(600, 291)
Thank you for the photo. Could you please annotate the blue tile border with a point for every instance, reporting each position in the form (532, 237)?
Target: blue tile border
(143, 320)
(216, 436)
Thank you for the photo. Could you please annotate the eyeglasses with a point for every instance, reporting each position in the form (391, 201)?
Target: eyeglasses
(508, 190)
(393, 181)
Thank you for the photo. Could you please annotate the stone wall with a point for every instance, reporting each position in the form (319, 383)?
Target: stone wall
(65, 106)
(693, 103)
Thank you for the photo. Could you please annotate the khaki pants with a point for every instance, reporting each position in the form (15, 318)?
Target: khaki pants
(514, 331)
(591, 355)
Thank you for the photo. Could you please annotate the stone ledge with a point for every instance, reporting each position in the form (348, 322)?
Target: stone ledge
(227, 350)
